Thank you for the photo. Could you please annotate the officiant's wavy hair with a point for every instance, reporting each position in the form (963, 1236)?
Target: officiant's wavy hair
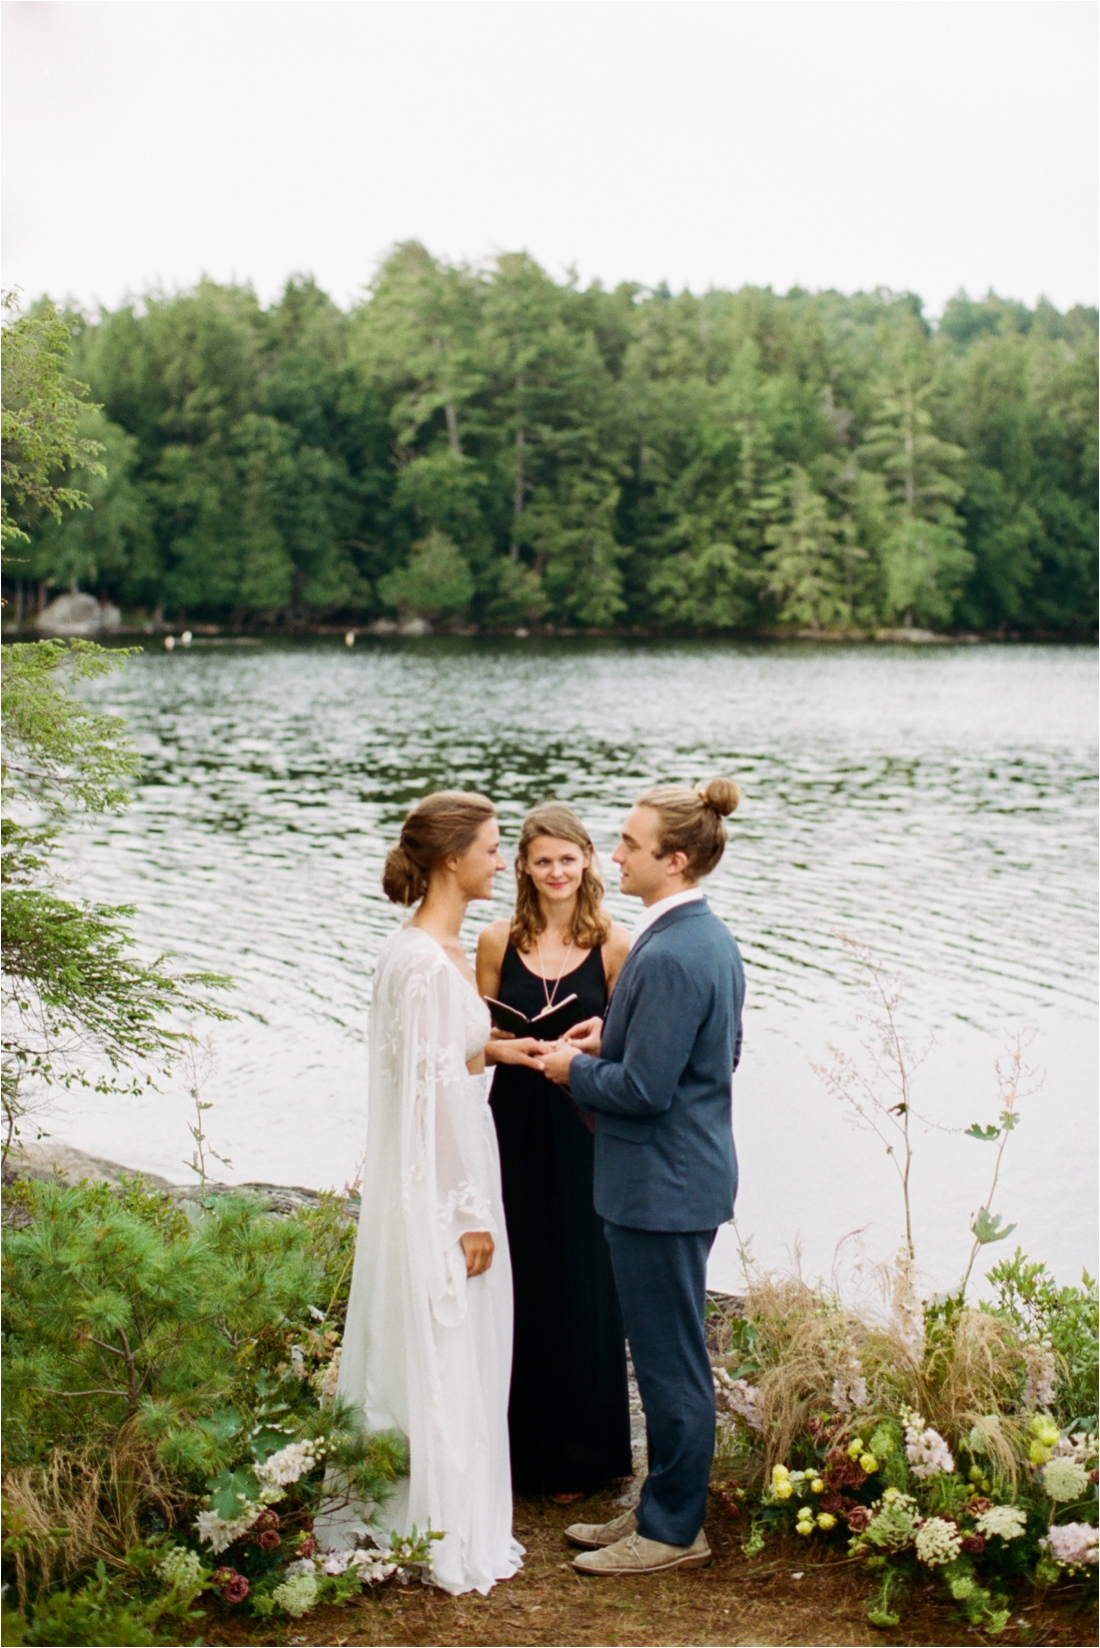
(591, 922)
(438, 826)
(690, 821)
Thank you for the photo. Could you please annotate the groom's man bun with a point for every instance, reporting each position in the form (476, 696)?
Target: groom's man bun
(690, 821)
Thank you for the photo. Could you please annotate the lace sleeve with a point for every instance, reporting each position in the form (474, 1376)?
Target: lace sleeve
(445, 1164)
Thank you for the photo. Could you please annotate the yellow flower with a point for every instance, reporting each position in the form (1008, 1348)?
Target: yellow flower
(804, 1511)
(817, 1486)
(803, 1527)
(826, 1521)
(868, 1463)
(975, 1473)
(1038, 1454)
(782, 1490)
(1045, 1431)
(891, 1494)
(780, 1473)
(855, 1447)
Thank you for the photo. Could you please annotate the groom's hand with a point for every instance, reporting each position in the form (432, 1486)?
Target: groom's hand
(478, 1246)
(556, 1060)
(586, 1036)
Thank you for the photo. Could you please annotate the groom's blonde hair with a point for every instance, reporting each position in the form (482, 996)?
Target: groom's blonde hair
(690, 821)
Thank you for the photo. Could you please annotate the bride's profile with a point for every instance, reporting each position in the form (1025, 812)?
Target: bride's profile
(428, 1342)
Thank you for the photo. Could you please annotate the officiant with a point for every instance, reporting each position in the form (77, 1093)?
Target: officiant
(556, 960)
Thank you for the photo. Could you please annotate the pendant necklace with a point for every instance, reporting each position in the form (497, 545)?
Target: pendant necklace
(551, 995)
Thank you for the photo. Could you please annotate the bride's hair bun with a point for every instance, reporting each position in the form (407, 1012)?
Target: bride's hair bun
(403, 881)
(720, 794)
(439, 826)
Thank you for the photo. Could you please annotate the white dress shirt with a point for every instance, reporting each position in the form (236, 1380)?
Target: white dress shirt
(654, 912)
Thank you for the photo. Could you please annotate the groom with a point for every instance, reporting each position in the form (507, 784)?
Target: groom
(656, 1076)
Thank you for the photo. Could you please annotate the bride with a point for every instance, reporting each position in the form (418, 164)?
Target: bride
(428, 1343)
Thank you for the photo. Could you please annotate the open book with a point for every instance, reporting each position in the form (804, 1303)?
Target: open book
(547, 1025)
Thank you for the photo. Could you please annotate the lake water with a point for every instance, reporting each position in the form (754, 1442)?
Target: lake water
(937, 804)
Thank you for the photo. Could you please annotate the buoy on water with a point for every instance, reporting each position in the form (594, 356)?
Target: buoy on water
(185, 638)
(169, 642)
(349, 638)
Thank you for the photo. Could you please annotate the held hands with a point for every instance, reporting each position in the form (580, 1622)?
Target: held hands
(506, 1049)
(586, 1036)
(478, 1246)
(556, 1060)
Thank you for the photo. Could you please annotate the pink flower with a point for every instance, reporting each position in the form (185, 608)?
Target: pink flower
(308, 1546)
(267, 1539)
(232, 1585)
(858, 1518)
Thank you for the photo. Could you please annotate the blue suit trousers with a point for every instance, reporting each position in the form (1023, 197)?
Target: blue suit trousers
(661, 1280)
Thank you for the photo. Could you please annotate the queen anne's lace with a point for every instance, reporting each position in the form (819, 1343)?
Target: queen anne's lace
(1065, 1480)
(938, 1542)
(297, 1595)
(1004, 1520)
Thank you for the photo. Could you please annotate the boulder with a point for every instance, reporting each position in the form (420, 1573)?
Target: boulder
(77, 614)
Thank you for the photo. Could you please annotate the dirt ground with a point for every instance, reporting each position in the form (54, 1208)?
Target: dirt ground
(780, 1597)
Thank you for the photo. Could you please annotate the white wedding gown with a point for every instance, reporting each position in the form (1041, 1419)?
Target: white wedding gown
(426, 1351)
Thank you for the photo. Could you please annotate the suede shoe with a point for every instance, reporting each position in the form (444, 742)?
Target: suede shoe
(592, 1536)
(637, 1555)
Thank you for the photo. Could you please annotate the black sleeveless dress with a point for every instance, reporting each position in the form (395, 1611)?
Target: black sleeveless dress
(568, 1414)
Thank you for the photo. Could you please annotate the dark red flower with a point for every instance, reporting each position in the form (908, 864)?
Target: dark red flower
(858, 1517)
(267, 1539)
(974, 1544)
(266, 1519)
(978, 1506)
(1094, 1476)
(232, 1585)
(308, 1546)
(832, 1503)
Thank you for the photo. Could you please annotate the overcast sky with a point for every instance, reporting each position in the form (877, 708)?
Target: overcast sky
(930, 145)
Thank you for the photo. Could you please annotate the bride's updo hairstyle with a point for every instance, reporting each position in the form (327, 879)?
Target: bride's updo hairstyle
(438, 827)
(690, 821)
(591, 922)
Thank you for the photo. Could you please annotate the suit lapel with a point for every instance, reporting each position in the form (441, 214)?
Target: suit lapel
(661, 925)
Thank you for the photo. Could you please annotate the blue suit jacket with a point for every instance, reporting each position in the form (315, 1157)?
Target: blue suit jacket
(660, 1090)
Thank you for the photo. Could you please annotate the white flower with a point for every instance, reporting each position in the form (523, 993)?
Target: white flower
(739, 1397)
(290, 1463)
(925, 1449)
(297, 1595)
(325, 1379)
(907, 1309)
(318, 1315)
(218, 1533)
(1004, 1520)
(300, 1565)
(1065, 1480)
(1081, 1447)
(1039, 1384)
(182, 1569)
(937, 1542)
(1073, 1545)
(849, 1391)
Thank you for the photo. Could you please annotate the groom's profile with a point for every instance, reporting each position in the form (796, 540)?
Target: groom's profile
(656, 1076)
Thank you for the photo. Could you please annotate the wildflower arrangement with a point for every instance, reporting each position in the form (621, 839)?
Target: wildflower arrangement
(918, 1462)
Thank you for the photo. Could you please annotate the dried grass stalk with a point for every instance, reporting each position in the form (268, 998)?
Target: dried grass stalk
(83, 1507)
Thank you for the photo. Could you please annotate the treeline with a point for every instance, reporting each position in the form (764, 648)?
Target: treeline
(493, 447)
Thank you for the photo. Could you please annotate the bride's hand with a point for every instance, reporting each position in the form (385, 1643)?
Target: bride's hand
(586, 1037)
(478, 1246)
(514, 1050)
